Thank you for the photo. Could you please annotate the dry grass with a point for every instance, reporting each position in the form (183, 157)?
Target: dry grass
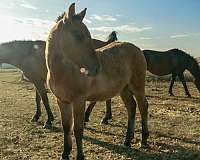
(173, 123)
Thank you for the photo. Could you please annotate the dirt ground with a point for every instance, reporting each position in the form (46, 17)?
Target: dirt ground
(173, 123)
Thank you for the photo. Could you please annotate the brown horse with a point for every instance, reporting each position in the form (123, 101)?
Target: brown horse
(76, 73)
(173, 62)
(28, 56)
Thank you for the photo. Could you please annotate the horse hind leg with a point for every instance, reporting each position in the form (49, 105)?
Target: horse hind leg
(138, 89)
(108, 114)
(130, 104)
(38, 107)
(143, 108)
(88, 111)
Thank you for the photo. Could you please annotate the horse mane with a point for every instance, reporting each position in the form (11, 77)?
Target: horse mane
(112, 36)
(181, 52)
(60, 17)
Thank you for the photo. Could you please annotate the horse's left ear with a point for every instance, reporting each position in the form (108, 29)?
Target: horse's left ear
(81, 15)
(70, 14)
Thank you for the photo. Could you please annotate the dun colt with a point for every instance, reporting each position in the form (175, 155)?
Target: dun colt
(29, 57)
(173, 62)
(76, 73)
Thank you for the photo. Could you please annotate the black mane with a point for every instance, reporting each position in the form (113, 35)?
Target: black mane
(183, 53)
(112, 36)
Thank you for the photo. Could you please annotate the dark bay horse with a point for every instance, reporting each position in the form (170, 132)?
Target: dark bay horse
(78, 73)
(28, 56)
(173, 62)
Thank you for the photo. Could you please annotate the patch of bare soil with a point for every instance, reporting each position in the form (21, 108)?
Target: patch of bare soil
(173, 123)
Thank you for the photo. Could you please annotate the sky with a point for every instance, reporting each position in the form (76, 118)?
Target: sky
(155, 24)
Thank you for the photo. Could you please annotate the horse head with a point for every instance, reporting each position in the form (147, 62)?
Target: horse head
(75, 42)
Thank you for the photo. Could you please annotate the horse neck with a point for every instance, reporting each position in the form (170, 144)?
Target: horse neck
(193, 68)
(12, 55)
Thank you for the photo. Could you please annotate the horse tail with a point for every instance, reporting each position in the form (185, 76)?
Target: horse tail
(112, 37)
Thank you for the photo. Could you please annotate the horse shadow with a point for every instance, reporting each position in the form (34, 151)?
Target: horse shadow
(165, 151)
(180, 98)
(185, 140)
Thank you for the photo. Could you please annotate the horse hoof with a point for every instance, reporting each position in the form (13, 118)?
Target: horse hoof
(34, 119)
(104, 121)
(110, 117)
(127, 144)
(47, 126)
(144, 145)
(80, 158)
(86, 120)
(64, 158)
(52, 118)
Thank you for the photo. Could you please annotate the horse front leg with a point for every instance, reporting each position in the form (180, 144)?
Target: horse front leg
(43, 94)
(79, 109)
(88, 111)
(38, 107)
(108, 114)
(171, 85)
(66, 110)
(182, 79)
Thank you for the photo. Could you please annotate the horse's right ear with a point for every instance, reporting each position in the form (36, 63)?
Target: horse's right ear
(71, 12)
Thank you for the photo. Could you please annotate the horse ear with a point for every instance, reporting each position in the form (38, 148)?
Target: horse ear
(81, 15)
(70, 13)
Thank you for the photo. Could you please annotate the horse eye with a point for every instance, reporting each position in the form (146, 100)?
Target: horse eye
(78, 36)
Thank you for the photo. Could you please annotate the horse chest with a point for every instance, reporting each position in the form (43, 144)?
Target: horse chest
(62, 89)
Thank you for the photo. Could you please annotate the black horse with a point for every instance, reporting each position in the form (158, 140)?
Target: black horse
(173, 62)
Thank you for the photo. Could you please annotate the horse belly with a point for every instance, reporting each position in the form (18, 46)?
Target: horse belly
(159, 71)
(107, 89)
